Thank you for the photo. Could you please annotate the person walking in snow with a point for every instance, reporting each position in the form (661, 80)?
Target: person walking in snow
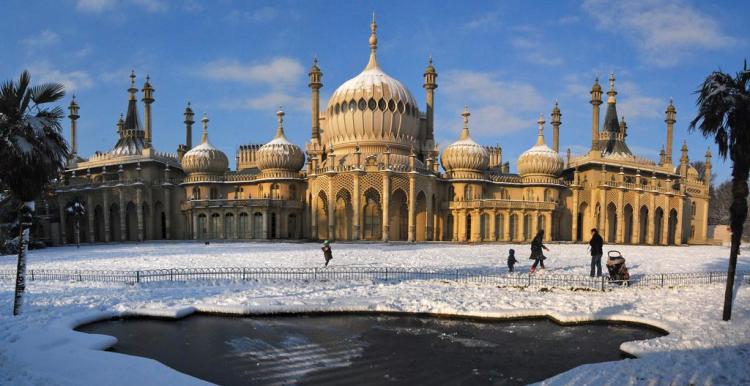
(511, 260)
(536, 251)
(327, 253)
(596, 244)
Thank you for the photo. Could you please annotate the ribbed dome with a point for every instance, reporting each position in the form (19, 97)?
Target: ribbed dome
(465, 158)
(371, 109)
(205, 158)
(280, 154)
(540, 160)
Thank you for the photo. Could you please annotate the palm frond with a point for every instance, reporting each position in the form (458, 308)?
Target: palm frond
(47, 93)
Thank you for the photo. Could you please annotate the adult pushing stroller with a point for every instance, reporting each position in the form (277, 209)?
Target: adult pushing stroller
(618, 272)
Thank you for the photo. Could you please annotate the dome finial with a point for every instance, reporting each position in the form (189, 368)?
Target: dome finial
(204, 121)
(540, 136)
(373, 63)
(280, 129)
(611, 93)
(465, 130)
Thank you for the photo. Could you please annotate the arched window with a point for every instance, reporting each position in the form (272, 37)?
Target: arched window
(469, 192)
(352, 106)
(275, 191)
(214, 193)
(452, 193)
(260, 191)
(196, 193)
(372, 218)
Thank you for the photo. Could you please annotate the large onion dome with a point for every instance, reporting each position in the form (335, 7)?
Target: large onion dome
(205, 159)
(280, 156)
(371, 110)
(540, 161)
(465, 158)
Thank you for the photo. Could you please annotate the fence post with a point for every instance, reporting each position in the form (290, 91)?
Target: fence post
(456, 275)
(602, 286)
(137, 276)
(315, 273)
(710, 277)
(386, 274)
(171, 277)
(79, 276)
(244, 277)
(32, 274)
(662, 280)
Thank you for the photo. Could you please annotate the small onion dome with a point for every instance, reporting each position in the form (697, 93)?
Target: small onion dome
(540, 160)
(205, 158)
(465, 158)
(430, 68)
(596, 87)
(280, 154)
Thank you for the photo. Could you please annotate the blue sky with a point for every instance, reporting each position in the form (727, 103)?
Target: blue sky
(508, 61)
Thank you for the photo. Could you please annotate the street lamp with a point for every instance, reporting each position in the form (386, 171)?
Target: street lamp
(77, 210)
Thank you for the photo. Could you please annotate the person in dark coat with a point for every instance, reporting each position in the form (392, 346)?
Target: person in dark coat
(536, 251)
(596, 244)
(327, 253)
(511, 259)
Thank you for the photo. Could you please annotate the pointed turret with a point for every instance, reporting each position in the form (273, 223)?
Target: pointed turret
(373, 63)
(556, 122)
(189, 115)
(596, 100)
(430, 84)
(670, 119)
(132, 137)
(612, 137)
(148, 99)
(707, 169)
(316, 83)
(73, 109)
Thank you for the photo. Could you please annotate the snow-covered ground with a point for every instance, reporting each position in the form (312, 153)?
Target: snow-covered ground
(40, 347)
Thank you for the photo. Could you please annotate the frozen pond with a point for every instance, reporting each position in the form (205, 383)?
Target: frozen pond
(367, 349)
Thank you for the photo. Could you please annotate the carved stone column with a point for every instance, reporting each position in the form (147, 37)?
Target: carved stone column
(167, 214)
(619, 236)
(412, 220)
(429, 215)
(356, 204)
(139, 212)
(90, 212)
(123, 225)
(63, 223)
(386, 205)
(105, 200)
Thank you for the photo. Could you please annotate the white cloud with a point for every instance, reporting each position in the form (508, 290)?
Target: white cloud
(278, 72)
(632, 104)
(42, 39)
(483, 21)
(269, 101)
(533, 51)
(497, 106)
(95, 6)
(99, 6)
(665, 31)
(260, 15)
(72, 80)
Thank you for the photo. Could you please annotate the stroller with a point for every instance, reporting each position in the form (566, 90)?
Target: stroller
(618, 272)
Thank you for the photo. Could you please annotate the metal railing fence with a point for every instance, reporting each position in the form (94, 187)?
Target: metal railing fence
(380, 274)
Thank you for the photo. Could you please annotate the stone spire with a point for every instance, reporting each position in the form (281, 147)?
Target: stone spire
(204, 122)
(540, 134)
(611, 94)
(373, 63)
(280, 128)
(670, 119)
(316, 83)
(596, 100)
(189, 115)
(465, 131)
(556, 122)
(73, 109)
(707, 171)
(430, 84)
(148, 99)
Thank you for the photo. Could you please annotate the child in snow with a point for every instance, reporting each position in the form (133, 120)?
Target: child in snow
(511, 259)
(327, 253)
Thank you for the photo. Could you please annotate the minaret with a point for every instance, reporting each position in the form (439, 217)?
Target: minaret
(556, 122)
(73, 108)
(671, 114)
(684, 160)
(707, 171)
(430, 84)
(465, 131)
(132, 90)
(316, 82)
(189, 126)
(596, 100)
(148, 99)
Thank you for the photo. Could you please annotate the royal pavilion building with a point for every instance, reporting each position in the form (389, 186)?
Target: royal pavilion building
(372, 171)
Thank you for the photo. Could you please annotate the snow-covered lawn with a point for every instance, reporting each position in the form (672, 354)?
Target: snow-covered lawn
(40, 347)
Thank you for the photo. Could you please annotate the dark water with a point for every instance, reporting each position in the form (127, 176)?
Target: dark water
(367, 349)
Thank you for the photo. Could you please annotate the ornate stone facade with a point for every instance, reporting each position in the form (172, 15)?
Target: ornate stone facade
(371, 172)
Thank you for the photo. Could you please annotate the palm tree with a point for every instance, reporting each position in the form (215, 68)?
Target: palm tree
(33, 152)
(724, 114)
